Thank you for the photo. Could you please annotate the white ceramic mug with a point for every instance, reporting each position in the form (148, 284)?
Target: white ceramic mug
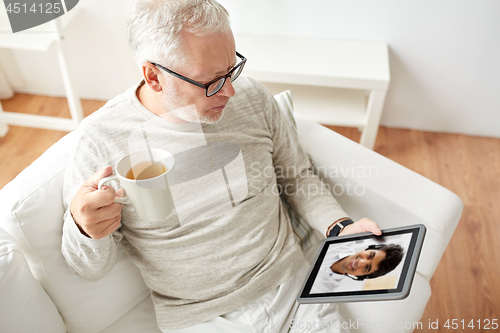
(151, 198)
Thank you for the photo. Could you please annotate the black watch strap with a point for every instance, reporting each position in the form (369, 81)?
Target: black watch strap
(339, 226)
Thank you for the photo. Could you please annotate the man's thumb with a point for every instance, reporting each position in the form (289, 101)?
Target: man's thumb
(96, 177)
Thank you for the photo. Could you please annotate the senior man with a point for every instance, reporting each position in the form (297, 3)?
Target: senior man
(236, 270)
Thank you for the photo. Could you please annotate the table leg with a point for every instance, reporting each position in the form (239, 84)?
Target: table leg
(373, 113)
(75, 105)
(4, 128)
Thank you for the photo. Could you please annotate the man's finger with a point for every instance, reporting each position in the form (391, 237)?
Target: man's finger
(110, 226)
(100, 198)
(376, 230)
(96, 177)
(363, 225)
(108, 212)
(373, 227)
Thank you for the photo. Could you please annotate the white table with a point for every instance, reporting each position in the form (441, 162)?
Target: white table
(334, 82)
(41, 38)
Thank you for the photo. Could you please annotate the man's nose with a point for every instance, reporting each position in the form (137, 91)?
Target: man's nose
(227, 89)
(363, 262)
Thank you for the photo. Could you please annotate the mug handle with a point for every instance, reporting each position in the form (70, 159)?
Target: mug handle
(122, 200)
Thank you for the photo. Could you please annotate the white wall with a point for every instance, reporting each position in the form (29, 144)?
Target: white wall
(444, 54)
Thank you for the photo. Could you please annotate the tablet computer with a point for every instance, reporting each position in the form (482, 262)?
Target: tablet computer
(364, 267)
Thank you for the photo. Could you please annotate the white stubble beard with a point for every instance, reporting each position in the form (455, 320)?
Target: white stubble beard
(187, 113)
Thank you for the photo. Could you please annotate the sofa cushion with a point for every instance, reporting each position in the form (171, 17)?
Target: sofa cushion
(402, 316)
(32, 212)
(141, 319)
(24, 305)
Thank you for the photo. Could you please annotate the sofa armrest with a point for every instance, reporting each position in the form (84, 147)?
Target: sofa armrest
(32, 212)
(24, 304)
(368, 184)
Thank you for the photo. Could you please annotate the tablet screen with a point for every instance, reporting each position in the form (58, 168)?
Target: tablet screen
(364, 264)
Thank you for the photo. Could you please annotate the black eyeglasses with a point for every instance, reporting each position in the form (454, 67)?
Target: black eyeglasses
(212, 87)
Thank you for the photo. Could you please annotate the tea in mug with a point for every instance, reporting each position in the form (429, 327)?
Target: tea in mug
(146, 170)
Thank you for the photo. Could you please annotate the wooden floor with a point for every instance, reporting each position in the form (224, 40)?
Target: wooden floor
(466, 285)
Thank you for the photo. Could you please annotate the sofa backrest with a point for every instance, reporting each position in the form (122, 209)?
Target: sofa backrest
(32, 212)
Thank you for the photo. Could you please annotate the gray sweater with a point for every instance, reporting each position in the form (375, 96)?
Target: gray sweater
(202, 265)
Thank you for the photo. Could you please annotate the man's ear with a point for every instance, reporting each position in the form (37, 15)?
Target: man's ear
(151, 76)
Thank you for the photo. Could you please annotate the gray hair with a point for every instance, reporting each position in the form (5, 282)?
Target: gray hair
(154, 27)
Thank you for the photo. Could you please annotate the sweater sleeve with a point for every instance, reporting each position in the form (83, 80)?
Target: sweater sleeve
(299, 186)
(89, 258)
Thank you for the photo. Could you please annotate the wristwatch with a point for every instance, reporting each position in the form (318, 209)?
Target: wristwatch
(339, 227)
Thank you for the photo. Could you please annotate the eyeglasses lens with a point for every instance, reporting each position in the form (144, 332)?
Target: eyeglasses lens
(215, 87)
(236, 73)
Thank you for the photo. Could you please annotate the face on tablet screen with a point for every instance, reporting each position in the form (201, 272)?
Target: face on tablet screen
(366, 264)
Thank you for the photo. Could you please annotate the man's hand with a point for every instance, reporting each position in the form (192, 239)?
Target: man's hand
(93, 210)
(363, 225)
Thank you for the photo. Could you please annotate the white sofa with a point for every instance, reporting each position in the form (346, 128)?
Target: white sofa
(39, 293)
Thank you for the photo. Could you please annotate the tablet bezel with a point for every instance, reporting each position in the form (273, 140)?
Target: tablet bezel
(404, 284)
